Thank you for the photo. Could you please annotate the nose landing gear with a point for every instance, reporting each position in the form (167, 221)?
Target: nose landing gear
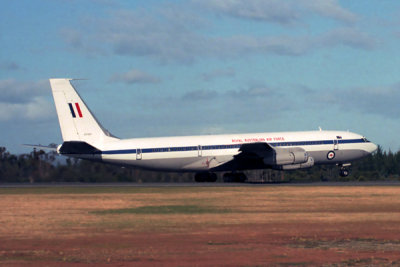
(344, 172)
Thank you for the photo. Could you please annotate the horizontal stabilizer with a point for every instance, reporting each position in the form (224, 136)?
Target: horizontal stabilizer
(54, 148)
(78, 147)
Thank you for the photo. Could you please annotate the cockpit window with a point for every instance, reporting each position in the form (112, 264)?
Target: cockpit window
(366, 140)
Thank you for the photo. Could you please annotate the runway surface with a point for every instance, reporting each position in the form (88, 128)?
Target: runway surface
(27, 185)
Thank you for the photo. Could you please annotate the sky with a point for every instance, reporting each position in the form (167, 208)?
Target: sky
(165, 68)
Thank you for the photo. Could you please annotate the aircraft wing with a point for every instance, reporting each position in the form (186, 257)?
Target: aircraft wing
(250, 156)
(255, 150)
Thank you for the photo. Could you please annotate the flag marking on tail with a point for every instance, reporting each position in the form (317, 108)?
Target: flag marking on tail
(78, 109)
(72, 110)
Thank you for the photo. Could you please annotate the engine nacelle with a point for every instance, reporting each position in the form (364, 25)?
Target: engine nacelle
(308, 164)
(287, 156)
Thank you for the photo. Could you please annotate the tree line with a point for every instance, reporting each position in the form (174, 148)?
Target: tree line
(40, 166)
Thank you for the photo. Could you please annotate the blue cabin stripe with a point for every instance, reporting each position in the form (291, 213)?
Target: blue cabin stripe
(121, 151)
(230, 146)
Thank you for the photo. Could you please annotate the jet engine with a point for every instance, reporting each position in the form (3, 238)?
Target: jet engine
(287, 156)
(308, 164)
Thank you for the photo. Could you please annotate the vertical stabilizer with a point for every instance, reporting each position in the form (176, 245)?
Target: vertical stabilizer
(77, 123)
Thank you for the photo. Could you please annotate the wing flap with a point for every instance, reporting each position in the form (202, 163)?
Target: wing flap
(255, 150)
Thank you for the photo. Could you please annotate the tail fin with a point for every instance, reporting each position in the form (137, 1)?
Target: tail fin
(77, 123)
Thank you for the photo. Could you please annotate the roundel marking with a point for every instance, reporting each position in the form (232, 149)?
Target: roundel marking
(330, 155)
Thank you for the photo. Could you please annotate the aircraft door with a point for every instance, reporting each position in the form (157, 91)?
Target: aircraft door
(138, 153)
(335, 144)
(199, 149)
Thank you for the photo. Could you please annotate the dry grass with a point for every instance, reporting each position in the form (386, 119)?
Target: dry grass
(256, 225)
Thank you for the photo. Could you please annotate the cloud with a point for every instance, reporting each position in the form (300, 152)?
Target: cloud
(252, 92)
(72, 37)
(236, 46)
(174, 34)
(371, 100)
(197, 95)
(277, 11)
(24, 100)
(81, 41)
(218, 73)
(134, 76)
(253, 104)
(9, 66)
(169, 45)
(160, 35)
(228, 110)
(37, 108)
(12, 91)
(348, 37)
(281, 12)
(331, 9)
(367, 101)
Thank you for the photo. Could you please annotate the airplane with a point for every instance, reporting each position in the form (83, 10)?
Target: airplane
(85, 138)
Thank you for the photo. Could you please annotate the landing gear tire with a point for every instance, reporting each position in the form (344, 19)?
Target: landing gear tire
(234, 177)
(205, 177)
(199, 177)
(344, 172)
(212, 178)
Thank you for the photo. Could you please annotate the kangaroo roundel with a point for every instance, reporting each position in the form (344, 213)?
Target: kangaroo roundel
(331, 155)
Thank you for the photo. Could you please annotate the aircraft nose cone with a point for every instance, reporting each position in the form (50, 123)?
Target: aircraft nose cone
(373, 148)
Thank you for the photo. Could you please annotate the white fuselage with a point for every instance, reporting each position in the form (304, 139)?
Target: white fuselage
(208, 153)
(84, 137)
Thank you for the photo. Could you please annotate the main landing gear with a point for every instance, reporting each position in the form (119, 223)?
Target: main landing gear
(234, 177)
(202, 177)
(210, 177)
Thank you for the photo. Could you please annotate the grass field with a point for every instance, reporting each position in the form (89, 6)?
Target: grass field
(203, 226)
